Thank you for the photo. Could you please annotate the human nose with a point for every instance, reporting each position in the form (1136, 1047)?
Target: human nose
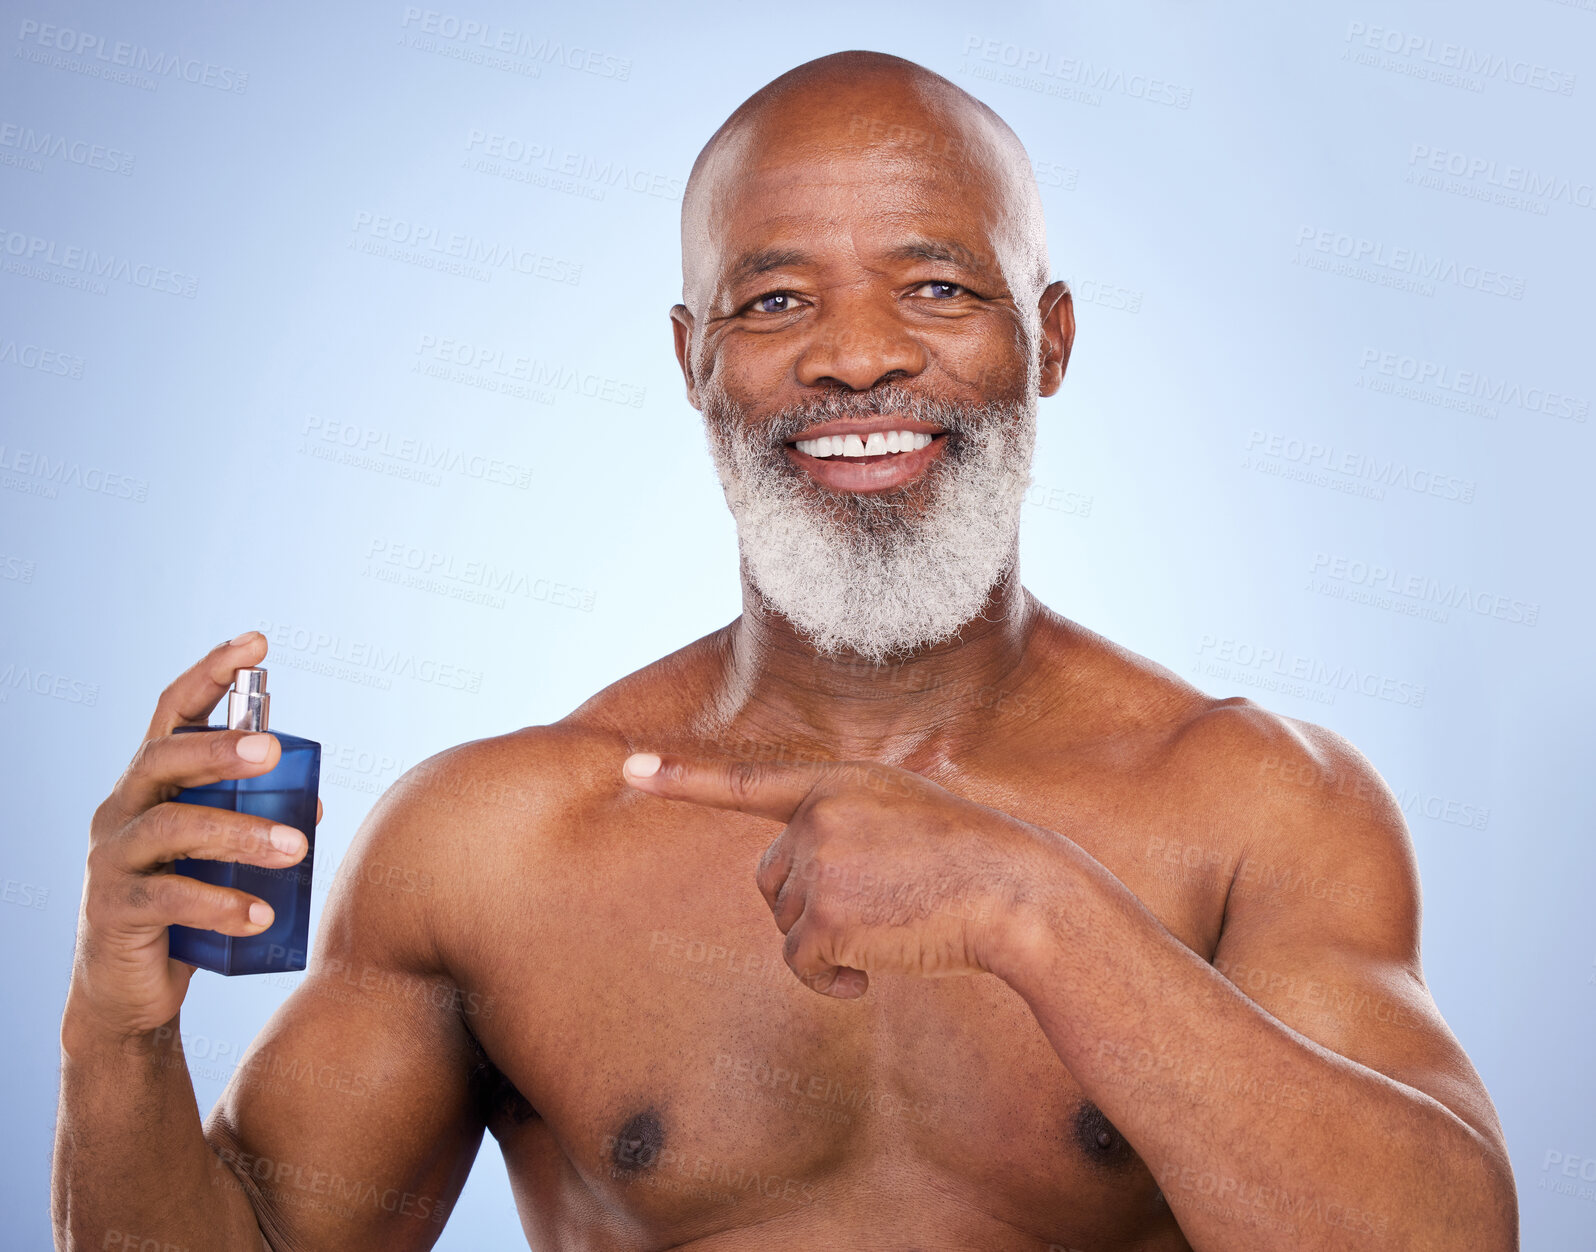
(859, 343)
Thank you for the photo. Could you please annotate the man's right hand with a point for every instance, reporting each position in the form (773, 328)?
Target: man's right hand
(123, 981)
(364, 1071)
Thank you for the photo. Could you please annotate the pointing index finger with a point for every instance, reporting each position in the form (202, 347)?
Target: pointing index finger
(193, 694)
(773, 791)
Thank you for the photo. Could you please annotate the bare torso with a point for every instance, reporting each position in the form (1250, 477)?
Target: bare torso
(658, 1078)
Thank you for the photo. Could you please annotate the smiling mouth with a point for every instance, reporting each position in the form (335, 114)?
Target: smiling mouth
(866, 461)
(878, 445)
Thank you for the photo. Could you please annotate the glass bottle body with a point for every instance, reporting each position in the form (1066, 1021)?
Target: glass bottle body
(288, 795)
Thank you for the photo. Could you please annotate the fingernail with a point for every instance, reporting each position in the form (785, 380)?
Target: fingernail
(244, 638)
(286, 839)
(641, 765)
(260, 914)
(254, 747)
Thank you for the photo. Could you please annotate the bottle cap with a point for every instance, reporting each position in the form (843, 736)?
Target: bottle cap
(248, 705)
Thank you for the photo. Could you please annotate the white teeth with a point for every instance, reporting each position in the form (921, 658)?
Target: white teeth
(878, 443)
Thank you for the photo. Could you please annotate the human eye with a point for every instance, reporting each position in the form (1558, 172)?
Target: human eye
(940, 289)
(774, 302)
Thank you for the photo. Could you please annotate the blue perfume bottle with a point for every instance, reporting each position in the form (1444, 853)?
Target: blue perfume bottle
(286, 794)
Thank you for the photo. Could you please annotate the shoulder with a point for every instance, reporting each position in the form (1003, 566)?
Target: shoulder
(1321, 846)
(469, 823)
(532, 779)
(1293, 809)
(531, 775)
(1258, 765)
(1275, 769)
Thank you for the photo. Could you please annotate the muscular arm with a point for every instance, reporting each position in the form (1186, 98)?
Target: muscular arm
(1302, 1092)
(348, 1124)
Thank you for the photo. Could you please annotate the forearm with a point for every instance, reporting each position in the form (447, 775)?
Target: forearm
(1258, 1137)
(132, 1167)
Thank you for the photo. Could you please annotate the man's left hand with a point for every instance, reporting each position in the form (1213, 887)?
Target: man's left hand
(878, 869)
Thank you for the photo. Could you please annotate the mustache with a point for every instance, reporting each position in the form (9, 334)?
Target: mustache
(786, 424)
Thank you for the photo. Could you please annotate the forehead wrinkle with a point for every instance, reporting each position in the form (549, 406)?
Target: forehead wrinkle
(872, 237)
(802, 135)
(917, 247)
(877, 256)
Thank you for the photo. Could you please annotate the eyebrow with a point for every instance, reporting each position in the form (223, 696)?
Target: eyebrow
(937, 250)
(763, 260)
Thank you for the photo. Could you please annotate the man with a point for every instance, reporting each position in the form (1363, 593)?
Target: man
(1074, 956)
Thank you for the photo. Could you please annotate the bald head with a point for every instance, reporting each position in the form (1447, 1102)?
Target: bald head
(861, 116)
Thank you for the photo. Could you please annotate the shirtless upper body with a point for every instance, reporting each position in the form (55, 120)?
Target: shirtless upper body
(1143, 967)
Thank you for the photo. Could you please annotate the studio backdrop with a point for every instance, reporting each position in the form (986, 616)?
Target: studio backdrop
(347, 323)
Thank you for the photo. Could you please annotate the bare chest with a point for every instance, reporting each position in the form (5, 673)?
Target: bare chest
(673, 1075)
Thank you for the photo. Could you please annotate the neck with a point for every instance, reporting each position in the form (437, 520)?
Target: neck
(778, 689)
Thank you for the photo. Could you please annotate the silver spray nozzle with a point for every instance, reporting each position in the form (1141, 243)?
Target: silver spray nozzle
(248, 705)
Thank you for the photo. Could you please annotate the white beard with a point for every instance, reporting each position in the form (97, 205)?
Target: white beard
(869, 574)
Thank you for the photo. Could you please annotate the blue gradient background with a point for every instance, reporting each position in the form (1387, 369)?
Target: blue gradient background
(1158, 518)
